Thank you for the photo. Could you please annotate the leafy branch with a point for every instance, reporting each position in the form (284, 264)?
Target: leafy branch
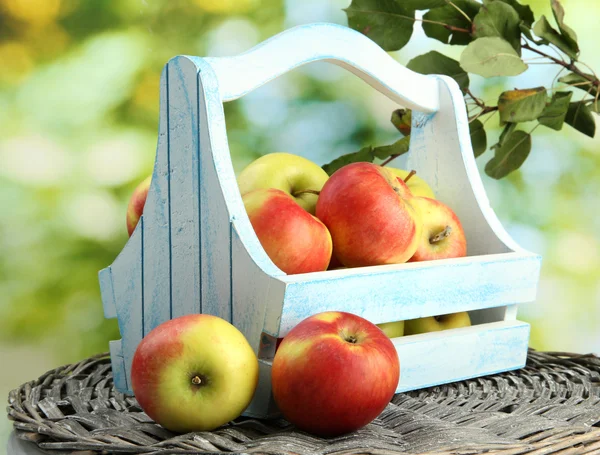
(495, 34)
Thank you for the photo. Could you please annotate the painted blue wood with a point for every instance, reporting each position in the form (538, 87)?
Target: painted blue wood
(184, 202)
(412, 290)
(119, 370)
(441, 357)
(127, 273)
(194, 249)
(335, 44)
(157, 228)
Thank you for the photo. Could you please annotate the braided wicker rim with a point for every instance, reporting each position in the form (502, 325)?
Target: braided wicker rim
(552, 406)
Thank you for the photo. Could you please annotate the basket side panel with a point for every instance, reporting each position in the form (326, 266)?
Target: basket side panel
(184, 150)
(216, 236)
(414, 290)
(157, 227)
(436, 358)
(441, 153)
(128, 285)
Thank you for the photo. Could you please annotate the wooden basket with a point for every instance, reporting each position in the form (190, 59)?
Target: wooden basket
(194, 249)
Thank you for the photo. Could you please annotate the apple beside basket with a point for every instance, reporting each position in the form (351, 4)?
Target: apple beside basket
(194, 250)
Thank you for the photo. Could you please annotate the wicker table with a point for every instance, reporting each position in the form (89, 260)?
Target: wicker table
(550, 407)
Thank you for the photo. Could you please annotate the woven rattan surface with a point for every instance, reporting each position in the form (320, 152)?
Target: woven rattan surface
(550, 407)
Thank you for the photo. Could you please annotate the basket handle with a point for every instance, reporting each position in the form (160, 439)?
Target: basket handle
(334, 43)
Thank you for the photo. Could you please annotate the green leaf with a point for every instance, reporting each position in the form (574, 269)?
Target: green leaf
(435, 63)
(580, 117)
(368, 154)
(544, 30)
(364, 154)
(402, 119)
(510, 156)
(580, 82)
(524, 12)
(435, 19)
(398, 148)
(491, 56)
(506, 132)
(478, 137)
(567, 32)
(521, 105)
(554, 113)
(496, 18)
(527, 32)
(387, 22)
(423, 4)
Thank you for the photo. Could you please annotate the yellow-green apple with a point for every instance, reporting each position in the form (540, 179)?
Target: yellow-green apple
(295, 240)
(416, 185)
(442, 236)
(392, 329)
(194, 373)
(437, 323)
(333, 373)
(136, 204)
(370, 214)
(293, 174)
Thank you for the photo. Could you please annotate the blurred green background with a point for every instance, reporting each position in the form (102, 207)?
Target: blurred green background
(79, 85)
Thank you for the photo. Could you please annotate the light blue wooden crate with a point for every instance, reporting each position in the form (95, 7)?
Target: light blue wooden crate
(194, 250)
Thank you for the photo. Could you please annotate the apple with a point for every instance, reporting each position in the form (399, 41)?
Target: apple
(334, 373)
(370, 215)
(136, 204)
(416, 185)
(442, 236)
(295, 240)
(293, 174)
(392, 329)
(194, 373)
(437, 323)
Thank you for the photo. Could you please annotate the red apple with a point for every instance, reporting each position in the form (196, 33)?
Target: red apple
(442, 236)
(194, 373)
(295, 240)
(136, 204)
(370, 214)
(334, 373)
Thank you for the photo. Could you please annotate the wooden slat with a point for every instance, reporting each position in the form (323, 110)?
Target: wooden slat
(118, 367)
(412, 290)
(184, 206)
(108, 294)
(157, 226)
(127, 273)
(216, 268)
(440, 357)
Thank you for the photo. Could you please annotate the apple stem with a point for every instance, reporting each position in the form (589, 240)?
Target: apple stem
(409, 176)
(196, 380)
(441, 235)
(297, 193)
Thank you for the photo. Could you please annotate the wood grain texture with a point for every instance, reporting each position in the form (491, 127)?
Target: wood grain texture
(157, 228)
(334, 43)
(184, 153)
(411, 290)
(453, 355)
(128, 285)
